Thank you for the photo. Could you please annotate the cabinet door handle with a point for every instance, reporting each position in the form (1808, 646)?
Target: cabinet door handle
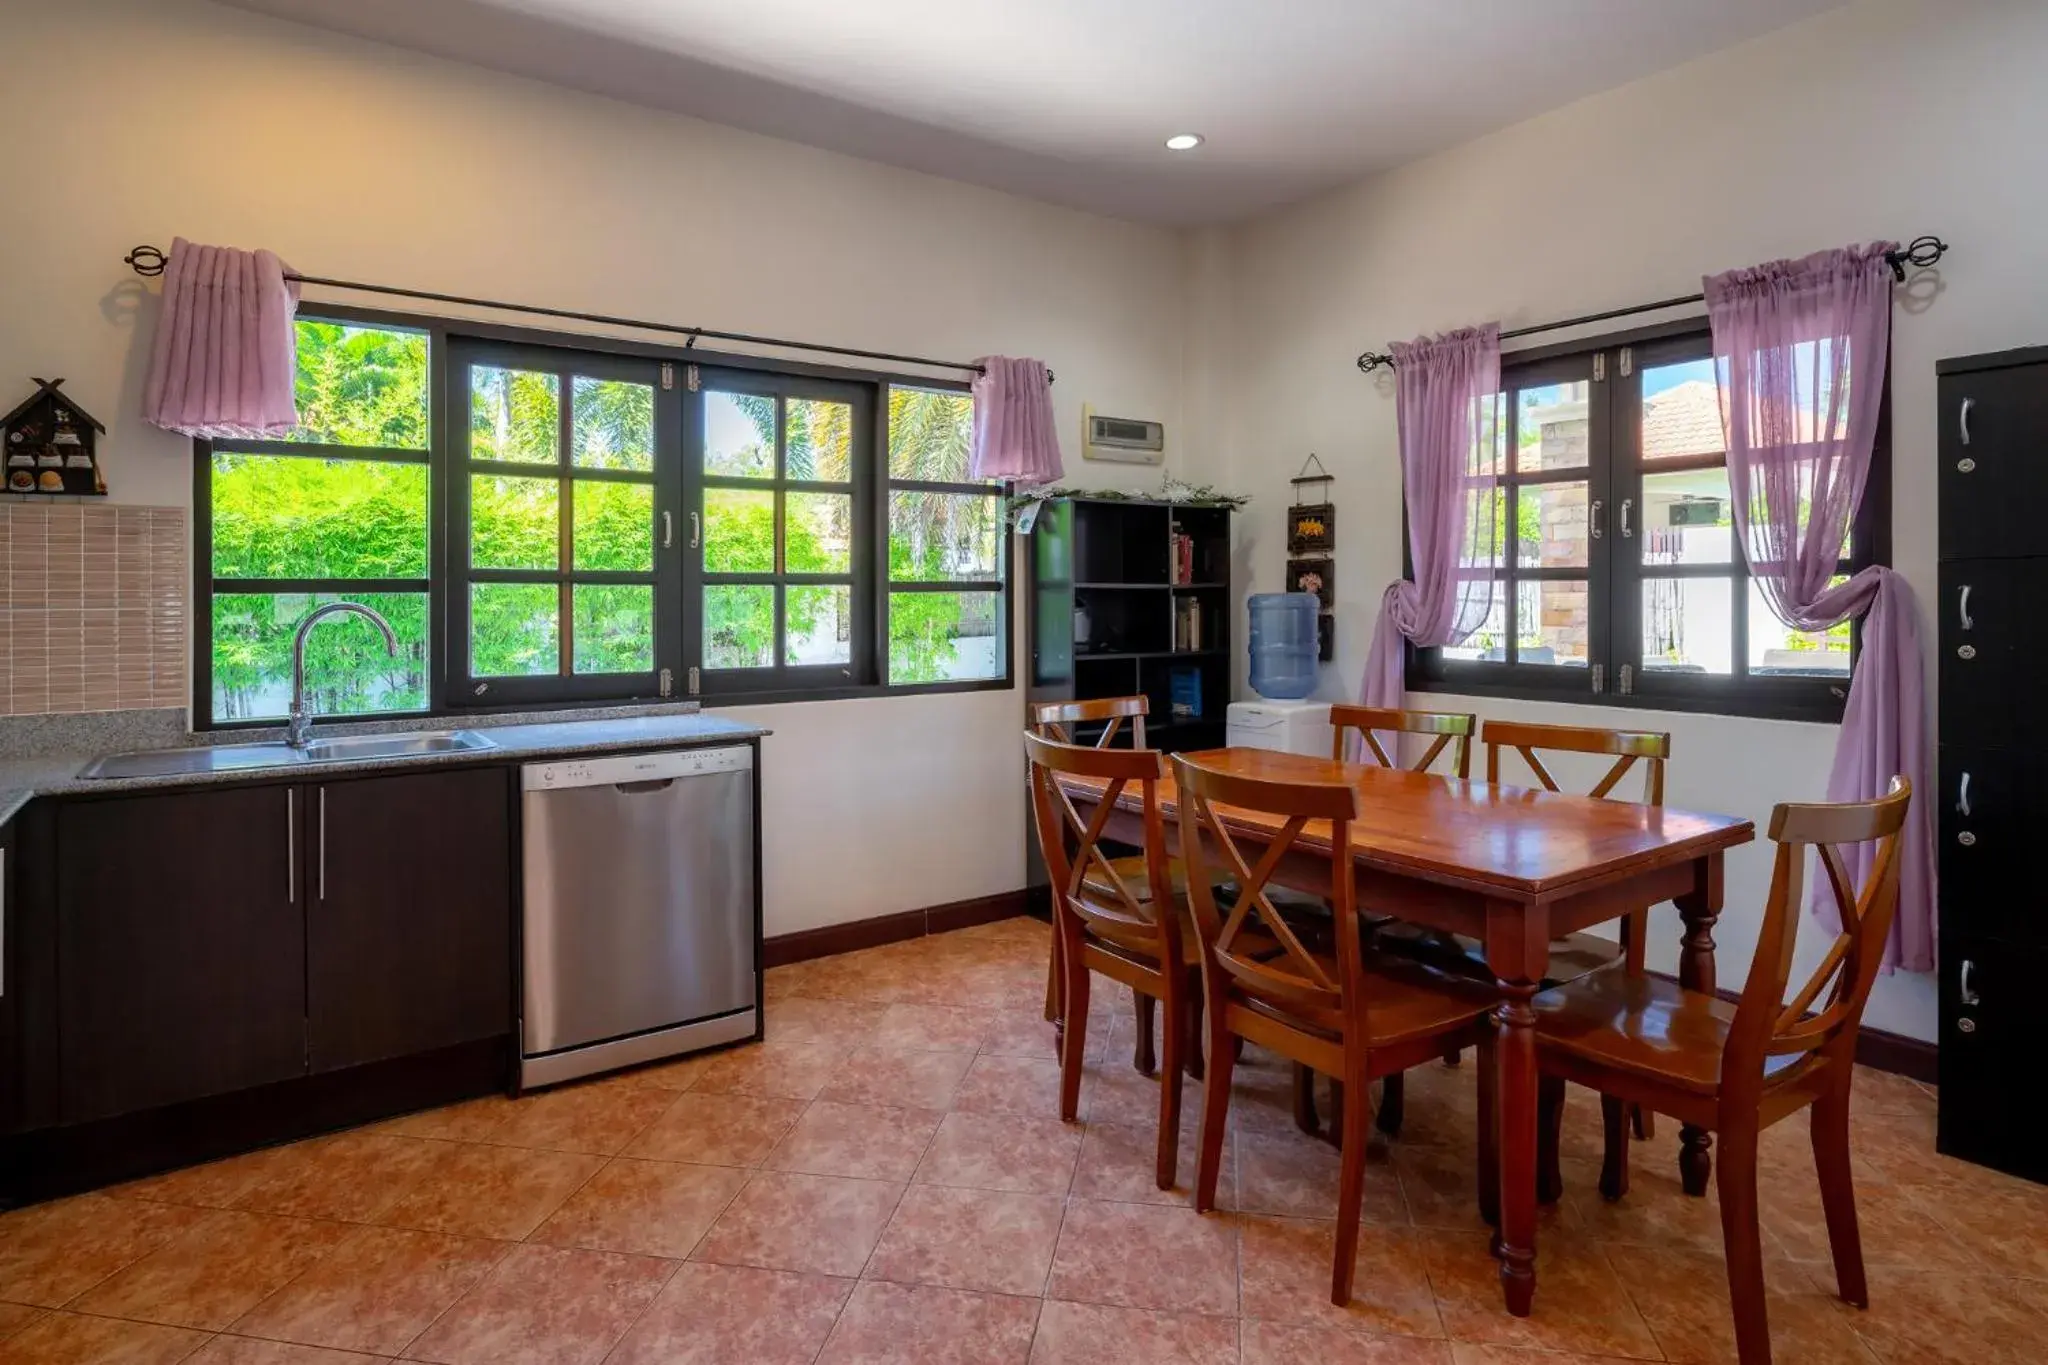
(1963, 991)
(1963, 616)
(1594, 520)
(1627, 505)
(1963, 796)
(1963, 419)
(323, 846)
(291, 844)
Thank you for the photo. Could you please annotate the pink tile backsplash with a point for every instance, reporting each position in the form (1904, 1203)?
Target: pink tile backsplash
(92, 607)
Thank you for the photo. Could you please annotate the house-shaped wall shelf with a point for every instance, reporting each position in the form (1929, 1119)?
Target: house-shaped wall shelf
(51, 446)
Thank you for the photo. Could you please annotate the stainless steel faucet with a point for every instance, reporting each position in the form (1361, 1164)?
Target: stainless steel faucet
(297, 723)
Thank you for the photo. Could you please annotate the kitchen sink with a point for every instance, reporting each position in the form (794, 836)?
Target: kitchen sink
(225, 758)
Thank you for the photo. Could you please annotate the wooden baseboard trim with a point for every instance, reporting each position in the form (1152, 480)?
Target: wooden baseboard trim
(833, 939)
(1913, 1058)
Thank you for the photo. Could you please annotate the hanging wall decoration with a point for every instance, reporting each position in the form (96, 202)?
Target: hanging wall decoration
(1311, 543)
(49, 442)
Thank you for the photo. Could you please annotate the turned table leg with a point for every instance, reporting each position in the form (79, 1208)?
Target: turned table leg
(1518, 951)
(1699, 908)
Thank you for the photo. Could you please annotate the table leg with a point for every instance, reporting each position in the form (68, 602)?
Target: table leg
(1518, 950)
(1699, 908)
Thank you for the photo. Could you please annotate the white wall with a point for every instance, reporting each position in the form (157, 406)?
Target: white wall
(1888, 118)
(126, 121)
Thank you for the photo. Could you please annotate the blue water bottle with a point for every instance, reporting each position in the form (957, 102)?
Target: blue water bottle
(1283, 644)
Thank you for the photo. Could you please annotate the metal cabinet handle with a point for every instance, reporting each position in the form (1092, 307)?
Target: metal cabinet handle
(1626, 505)
(1963, 991)
(1594, 520)
(1963, 419)
(1963, 795)
(1963, 609)
(291, 844)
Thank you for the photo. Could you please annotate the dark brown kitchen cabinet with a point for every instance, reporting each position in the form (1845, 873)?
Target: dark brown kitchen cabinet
(408, 914)
(181, 948)
(1993, 474)
(1991, 1106)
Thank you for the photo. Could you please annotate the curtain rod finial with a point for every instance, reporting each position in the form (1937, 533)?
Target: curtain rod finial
(1372, 360)
(145, 260)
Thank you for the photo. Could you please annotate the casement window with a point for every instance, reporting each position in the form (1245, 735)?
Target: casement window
(1610, 546)
(549, 520)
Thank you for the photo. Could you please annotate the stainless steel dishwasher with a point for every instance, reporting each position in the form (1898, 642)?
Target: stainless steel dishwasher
(640, 909)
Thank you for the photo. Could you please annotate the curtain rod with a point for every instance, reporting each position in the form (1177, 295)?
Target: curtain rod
(1921, 252)
(150, 261)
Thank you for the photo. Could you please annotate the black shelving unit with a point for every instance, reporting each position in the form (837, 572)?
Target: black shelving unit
(1106, 597)
(1994, 755)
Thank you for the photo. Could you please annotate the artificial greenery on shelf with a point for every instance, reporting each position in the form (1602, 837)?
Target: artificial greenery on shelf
(1170, 490)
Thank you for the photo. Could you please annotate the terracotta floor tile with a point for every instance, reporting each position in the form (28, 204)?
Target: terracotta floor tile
(1144, 1256)
(1121, 1162)
(72, 1339)
(715, 1314)
(375, 1292)
(813, 1224)
(1440, 1105)
(680, 1074)
(1656, 1211)
(1331, 1343)
(774, 1070)
(1025, 1033)
(1000, 1152)
(1287, 1266)
(969, 1239)
(933, 1028)
(1916, 1318)
(898, 1324)
(1111, 1092)
(650, 1208)
(717, 1130)
(599, 1119)
(52, 1253)
(1023, 1086)
(351, 1178)
(1684, 1298)
(1899, 1226)
(1469, 1353)
(545, 1306)
(1093, 1334)
(477, 1191)
(898, 1079)
(250, 1351)
(216, 1185)
(15, 1316)
(1880, 1092)
(1581, 1304)
(856, 1140)
(471, 1121)
(2004, 1231)
(215, 1272)
(1289, 1173)
(821, 1021)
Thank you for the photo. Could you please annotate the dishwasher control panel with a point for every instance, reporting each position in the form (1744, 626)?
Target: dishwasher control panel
(608, 769)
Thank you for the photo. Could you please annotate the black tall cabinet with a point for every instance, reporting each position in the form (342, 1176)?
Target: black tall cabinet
(1992, 617)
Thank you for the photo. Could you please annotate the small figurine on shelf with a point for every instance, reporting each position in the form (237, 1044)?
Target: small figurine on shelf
(49, 443)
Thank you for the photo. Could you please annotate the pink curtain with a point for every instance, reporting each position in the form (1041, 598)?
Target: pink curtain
(225, 358)
(1803, 346)
(1446, 395)
(1013, 427)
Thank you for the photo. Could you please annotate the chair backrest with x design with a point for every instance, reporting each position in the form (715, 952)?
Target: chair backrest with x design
(1453, 729)
(1253, 944)
(1085, 880)
(1057, 719)
(1823, 1017)
(1651, 747)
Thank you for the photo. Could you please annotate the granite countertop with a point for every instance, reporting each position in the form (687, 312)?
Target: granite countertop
(56, 773)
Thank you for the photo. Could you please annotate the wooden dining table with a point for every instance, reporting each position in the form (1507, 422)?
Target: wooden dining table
(1513, 868)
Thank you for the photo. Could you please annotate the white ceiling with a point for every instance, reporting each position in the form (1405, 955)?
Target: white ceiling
(1070, 100)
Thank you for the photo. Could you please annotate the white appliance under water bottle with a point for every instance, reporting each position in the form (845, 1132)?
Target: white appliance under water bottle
(1283, 673)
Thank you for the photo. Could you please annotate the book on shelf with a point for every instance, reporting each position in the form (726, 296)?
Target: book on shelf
(1183, 563)
(1184, 687)
(1187, 625)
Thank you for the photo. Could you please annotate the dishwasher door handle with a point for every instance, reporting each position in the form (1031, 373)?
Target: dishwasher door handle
(653, 784)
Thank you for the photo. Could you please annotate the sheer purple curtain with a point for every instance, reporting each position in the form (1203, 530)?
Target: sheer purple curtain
(1445, 391)
(225, 360)
(1803, 346)
(1014, 436)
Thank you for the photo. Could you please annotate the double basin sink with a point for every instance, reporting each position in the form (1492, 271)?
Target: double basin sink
(222, 758)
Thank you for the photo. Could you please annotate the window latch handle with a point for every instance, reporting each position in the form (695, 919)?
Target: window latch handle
(1594, 520)
(668, 529)
(1627, 505)
(696, 529)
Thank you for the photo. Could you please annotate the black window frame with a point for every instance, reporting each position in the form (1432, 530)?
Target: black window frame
(1615, 574)
(450, 691)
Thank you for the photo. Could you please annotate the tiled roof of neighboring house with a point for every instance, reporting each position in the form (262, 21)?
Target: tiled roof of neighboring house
(1685, 419)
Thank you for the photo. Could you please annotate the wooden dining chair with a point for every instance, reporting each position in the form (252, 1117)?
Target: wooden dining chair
(1137, 935)
(1344, 1011)
(1452, 729)
(1736, 1069)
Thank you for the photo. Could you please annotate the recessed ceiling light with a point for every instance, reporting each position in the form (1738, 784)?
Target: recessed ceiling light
(1183, 142)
